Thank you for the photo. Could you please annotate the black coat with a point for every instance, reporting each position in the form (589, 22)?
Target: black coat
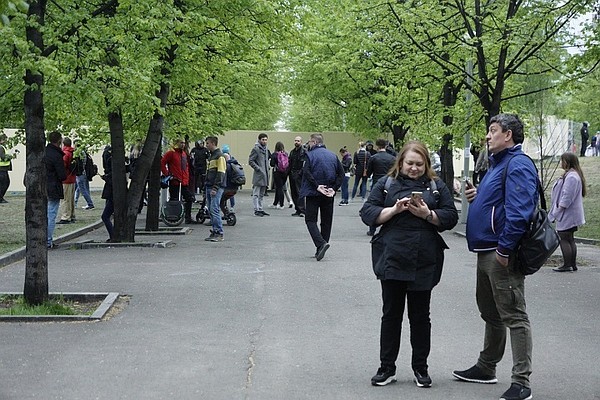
(411, 248)
(107, 190)
(55, 172)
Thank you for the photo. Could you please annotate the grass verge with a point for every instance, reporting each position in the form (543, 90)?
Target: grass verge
(56, 305)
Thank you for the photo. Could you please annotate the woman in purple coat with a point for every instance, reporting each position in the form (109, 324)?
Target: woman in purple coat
(567, 208)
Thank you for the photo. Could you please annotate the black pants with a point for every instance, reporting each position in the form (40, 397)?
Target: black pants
(4, 183)
(295, 183)
(314, 206)
(187, 196)
(394, 294)
(279, 179)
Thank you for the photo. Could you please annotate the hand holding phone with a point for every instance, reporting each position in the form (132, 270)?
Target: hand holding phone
(416, 197)
(468, 184)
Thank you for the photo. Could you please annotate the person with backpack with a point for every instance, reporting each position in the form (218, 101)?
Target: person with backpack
(499, 212)
(408, 254)
(84, 174)
(280, 163)
(67, 204)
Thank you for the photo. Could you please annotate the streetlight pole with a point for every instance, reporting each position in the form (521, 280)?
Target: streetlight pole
(467, 154)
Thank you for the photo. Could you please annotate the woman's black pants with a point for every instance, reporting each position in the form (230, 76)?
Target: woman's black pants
(394, 294)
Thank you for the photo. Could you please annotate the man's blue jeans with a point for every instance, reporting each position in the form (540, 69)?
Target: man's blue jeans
(213, 204)
(53, 206)
(345, 188)
(83, 188)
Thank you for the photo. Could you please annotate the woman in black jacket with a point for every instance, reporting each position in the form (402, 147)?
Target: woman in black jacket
(413, 206)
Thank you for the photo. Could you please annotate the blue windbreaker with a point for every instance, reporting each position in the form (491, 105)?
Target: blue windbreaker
(497, 223)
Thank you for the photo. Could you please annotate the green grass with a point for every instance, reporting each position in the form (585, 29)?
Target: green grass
(15, 305)
(12, 220)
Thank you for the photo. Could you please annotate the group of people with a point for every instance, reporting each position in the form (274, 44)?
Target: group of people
(68, 173)
(594, 145)
(411, 206)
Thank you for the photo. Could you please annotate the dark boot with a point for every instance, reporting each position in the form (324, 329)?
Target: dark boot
(564, 268)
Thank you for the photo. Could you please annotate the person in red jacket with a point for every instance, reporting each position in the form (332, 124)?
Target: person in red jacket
(175, 163)
(67, 204)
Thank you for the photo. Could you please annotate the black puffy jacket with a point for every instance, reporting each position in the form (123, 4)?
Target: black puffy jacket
(55, 172)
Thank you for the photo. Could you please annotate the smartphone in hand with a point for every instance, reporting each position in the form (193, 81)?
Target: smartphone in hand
(416, 197)
(468, 184)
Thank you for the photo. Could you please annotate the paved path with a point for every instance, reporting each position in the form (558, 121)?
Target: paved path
(256, 317)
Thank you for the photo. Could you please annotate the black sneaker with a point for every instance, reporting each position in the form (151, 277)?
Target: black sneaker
(474, 374)
(258, 213)
(384, 376)
(422, 379)
(321, 251)
(517, 392)
(564, 268)
(265, 214)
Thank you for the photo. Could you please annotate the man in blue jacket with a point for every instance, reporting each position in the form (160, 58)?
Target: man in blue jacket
(322, 176)
(498, 217)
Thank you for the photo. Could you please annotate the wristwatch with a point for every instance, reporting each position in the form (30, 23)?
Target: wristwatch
(429, 218)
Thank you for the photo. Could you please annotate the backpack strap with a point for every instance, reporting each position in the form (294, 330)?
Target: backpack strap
(539, 184)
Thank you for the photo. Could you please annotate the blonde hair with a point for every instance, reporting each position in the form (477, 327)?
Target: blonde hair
(418, 148)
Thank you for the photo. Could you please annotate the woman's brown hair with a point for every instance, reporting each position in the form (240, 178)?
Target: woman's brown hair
(570, 161)
(418, 148)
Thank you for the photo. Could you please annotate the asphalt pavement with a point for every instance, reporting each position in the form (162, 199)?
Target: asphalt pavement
(257, 317)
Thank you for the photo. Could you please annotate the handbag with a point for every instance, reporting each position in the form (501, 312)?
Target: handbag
(540, 240)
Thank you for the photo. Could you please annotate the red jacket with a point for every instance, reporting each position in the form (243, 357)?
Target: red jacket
(175, 163)
(67, 158)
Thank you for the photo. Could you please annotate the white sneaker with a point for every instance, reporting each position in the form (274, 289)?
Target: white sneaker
(291, 204)
(280, 207)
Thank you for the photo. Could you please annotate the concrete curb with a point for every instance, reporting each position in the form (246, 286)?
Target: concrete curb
(16, 255)
(107, 303)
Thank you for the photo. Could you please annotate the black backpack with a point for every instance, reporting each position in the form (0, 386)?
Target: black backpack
(235, 174)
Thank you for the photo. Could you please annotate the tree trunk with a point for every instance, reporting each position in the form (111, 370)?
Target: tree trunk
(445, 150)
(119, 178)
(35, 288)
(153, 212)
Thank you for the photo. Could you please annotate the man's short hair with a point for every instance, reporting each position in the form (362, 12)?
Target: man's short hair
(263, 135)
(381, 143)
(213, 139)
(512, 122)
(317, 137)
(54, 137)
(67, 141)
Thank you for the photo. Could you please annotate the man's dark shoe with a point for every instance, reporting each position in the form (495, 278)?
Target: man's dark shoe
(52, 246)
(474, 374)
(321, 251)
(64, 221)
(296, 214)
(216, 237)
(517, 392)
(264, 213)
(564, 268)
(190, 222)
(384, 376)
(422, 379)
(2, 201)
(258, 214)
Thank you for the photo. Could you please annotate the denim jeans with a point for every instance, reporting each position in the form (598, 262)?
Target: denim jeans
(214, 208)
(53, 205)
(501, 300)
(345, 188)
(83, 188)
(363, 186)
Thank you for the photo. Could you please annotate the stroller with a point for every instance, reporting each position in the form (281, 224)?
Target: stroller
(227, 215)
(172, 211)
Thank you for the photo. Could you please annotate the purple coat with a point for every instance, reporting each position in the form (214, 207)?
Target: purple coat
(567, 202)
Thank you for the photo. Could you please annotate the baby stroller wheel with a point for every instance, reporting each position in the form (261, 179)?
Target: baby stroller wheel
(231, 219)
